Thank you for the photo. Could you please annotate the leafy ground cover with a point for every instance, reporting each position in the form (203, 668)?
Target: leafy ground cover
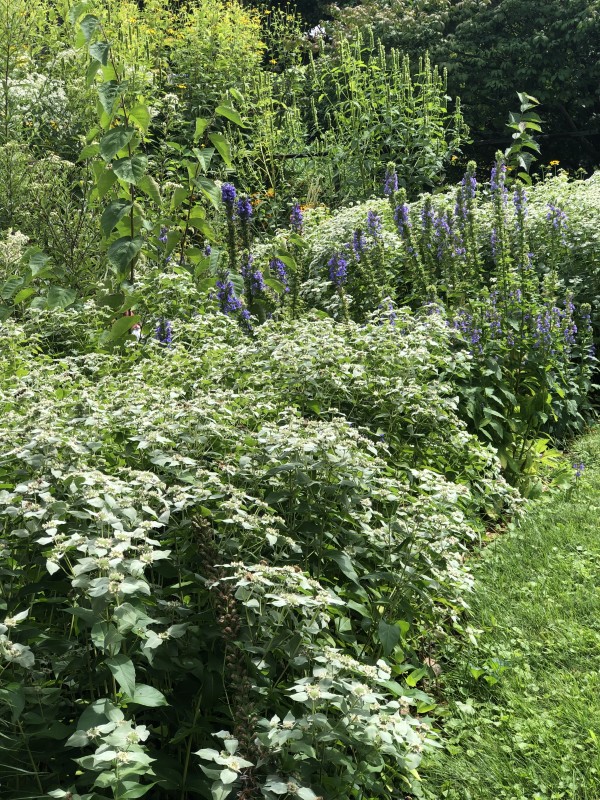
(524, 703)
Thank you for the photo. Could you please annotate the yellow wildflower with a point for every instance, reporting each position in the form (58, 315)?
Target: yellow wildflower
(554, 163)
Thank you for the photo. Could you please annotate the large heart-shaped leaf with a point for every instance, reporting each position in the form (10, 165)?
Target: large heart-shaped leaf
(108, 93)
(112, 214)
(132, 169)
(122, 252)
(60, 297)
(115, 140)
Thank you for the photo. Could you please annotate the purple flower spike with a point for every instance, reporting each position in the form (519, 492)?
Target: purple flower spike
(296, 218)
(338, 270)
(244, 209)
(228, 194)
(164, 332)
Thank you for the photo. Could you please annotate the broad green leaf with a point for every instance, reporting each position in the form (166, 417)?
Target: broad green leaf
(89, 25)
(220, 791)
(130, 170)
(91, 72)
(122, 252)
(148, 695)
(140, 114)
(287, 259)
(38, 264)
(223, 147)
(415, 676)
(150, 187)
(204, 156)
(122, 668)
(230, 114)
(108, 93)
(14, 696)
(105, 180)
(179, 195)
(389, 636)
(304, 793)
(276, 285)
(77, 10)
(201, 126)
(11, 287)
(99, 52)
(112, 214)
(89, 151)
(115, 140)
(122, 327)
(60, 297)
(344, 562)
(5, 312)
(23, 295)
(210, 190)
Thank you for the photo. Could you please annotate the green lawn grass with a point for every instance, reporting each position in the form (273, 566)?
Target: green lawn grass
(535, 734)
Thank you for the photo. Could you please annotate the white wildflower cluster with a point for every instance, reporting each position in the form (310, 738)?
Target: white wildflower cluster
(12, 247)
(34, 95)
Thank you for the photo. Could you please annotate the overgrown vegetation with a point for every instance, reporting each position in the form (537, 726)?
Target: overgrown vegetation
(262, 397)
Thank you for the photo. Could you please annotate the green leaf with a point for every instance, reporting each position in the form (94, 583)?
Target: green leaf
(122, 327)
(140, 114)
(112, 214)
(179, 195)
(91, 72)
(389, 636)
(210, 190)
(148, 695)
(344, 562)
(60, 297)
(108, 93)
(105, 180)
(77, 10)
(223, 147)
(276, 285)
(89, 25)
(287, 259)
(304, 793)
(14, 696)
(150, 187)
(11, 287)
(130, 170)
(230, 114)
(201, 126)
(122, 252)
(89, 151)
(99, 52)
(204, 156)
(115, 140)
(122, 668)
(38, 264)
(415, 676)
(23, 295)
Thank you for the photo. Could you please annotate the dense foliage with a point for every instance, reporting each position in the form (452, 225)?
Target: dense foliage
(255, 414)
(490, 48)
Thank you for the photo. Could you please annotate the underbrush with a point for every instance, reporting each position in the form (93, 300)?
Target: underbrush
(253, 539)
